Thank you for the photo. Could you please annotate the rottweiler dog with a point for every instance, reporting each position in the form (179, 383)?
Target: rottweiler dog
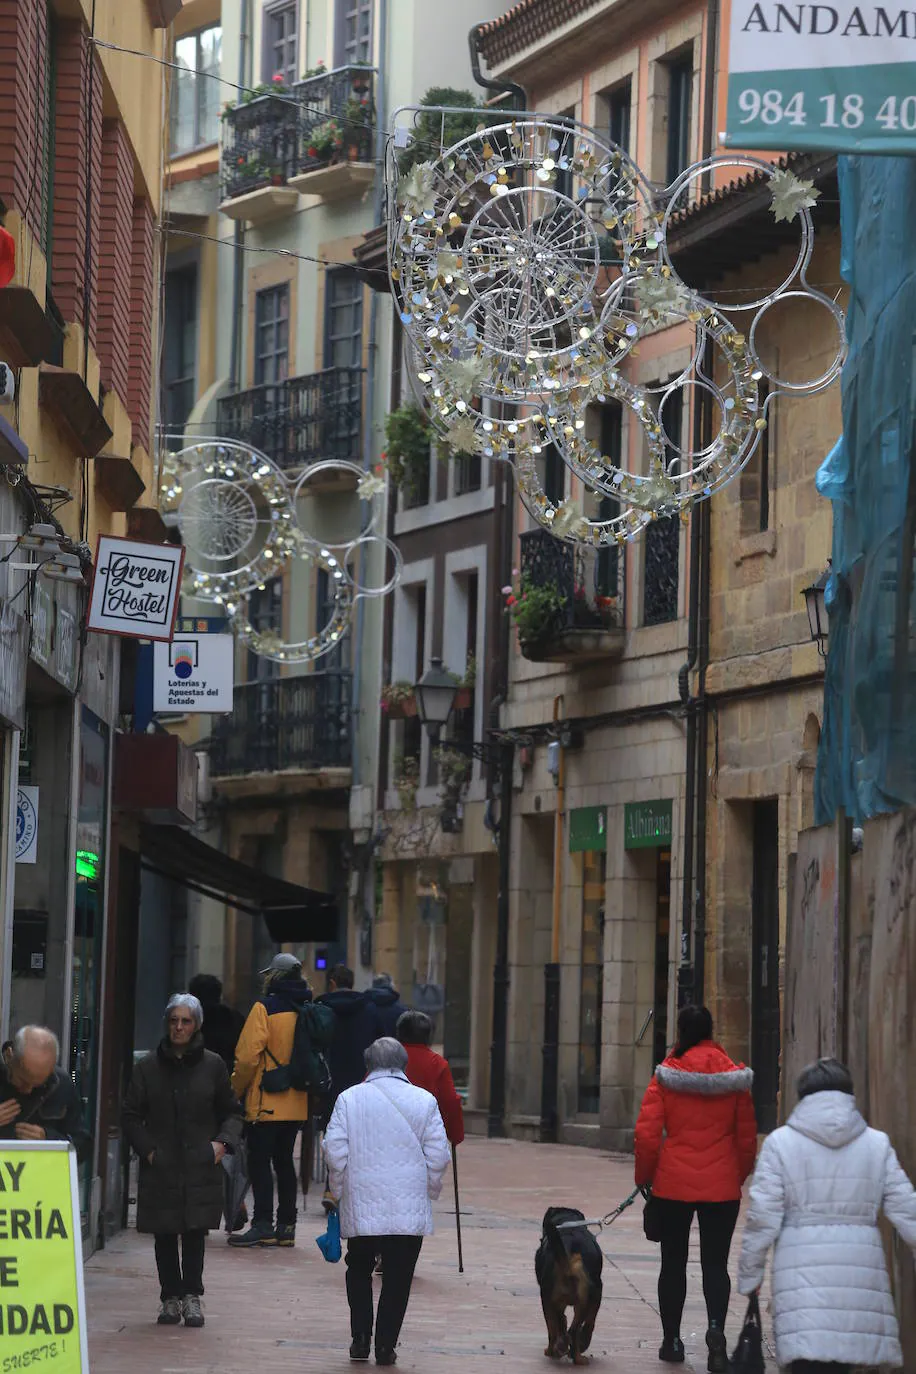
(568, 1268)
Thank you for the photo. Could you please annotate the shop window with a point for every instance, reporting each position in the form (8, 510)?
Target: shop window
(271, 335)
(591, 981)
(680, 98)
(195, 101)
(280, 46)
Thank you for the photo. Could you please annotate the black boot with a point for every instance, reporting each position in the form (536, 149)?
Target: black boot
(672, 1352)
(718, 1354)
(360, 1347)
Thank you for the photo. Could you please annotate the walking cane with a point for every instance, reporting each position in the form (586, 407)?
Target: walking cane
(457, 1210)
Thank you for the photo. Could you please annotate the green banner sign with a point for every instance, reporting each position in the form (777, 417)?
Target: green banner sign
(647, 825)
(588, 830)
(835, 77)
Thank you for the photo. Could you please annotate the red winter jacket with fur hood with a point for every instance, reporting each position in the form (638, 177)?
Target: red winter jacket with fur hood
(696, 1136)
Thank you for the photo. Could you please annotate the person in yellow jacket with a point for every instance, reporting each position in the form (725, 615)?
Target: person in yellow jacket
(274, 1118)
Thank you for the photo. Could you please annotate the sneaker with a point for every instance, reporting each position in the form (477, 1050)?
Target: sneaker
(359, 1348)
(385, 1357)
(169, 1312)
(718, 1355)
(255, 1235)
(190, 1307)
(286, 1236)
(672, 1352)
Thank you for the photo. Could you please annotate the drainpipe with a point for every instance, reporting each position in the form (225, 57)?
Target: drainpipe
(550, 1073)
(238, 272)
(518, 93)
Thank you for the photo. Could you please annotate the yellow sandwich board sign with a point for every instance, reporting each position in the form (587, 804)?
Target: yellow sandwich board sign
(42, 1303)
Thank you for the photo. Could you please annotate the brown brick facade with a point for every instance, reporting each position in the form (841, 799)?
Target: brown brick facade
(23, 112)
(77, 143)
(141, 320)
(115, 255)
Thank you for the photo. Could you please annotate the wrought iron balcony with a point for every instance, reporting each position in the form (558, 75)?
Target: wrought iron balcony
(301, 420)
(285, 724)
(337, 117)
(260, 145)
(580, 595)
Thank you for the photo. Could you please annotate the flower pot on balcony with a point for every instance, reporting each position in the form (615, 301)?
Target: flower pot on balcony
(353, 152)
(463, 698)
(277, 179)
(361, 84)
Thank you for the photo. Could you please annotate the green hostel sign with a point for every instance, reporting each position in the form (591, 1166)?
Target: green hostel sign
(647, 825)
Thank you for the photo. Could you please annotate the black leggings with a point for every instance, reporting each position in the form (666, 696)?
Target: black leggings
(717, 1226)
(817, 1367)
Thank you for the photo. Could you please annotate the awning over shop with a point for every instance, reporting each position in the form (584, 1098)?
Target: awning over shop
(294, 915)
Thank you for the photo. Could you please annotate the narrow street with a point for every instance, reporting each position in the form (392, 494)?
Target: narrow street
(277, 1310)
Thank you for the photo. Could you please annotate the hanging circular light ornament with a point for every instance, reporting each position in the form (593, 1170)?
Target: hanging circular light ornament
(232, 506)
(270, 644)
(338, 476)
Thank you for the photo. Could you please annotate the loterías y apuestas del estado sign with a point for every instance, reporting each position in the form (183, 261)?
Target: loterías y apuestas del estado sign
(823, 77)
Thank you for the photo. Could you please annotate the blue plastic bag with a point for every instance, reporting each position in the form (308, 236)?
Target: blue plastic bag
(329, 1243)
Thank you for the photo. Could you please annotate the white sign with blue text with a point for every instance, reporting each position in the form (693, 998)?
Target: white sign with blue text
(27, 825)
(194, 674)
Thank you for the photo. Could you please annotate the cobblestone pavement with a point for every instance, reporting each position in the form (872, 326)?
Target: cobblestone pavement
(275, 1311)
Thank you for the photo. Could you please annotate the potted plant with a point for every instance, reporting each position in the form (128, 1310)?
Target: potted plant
(407, 780)
(325, 142)
(318, 70)
(606, 606)
(398, 700)
(537, 612)
(407, 455)
(357, 119)
(277, 175)
(454, 770)
(362, 77)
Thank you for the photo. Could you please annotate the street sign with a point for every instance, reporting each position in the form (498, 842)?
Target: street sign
(135, 588)
(194, 674)
(27, 825)
(42, 1301)
(647, 825)
(835, 77)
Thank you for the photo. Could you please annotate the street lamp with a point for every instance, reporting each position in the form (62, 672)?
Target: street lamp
(435, 695)
(816, 606)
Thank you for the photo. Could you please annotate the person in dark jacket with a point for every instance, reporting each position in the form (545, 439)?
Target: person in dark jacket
(388, 1001)
(429, 1070)
(222, 1024)
(37, 1099)
(274, 1118)
(358, 1026)
(181, 1117)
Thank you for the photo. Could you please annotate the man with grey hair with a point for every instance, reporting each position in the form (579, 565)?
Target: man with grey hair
(387, 1153)
(37, 1099)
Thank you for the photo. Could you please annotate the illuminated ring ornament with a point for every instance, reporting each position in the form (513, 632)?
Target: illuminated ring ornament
(324, 468)
(269, 644)
(232, 505)
(514, 328)
(359, 546)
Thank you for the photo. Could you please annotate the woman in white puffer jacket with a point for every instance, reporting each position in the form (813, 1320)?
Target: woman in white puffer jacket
(819, 1185)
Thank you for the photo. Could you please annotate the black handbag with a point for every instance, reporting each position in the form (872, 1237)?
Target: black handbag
(652, 1219)
(748, 1354)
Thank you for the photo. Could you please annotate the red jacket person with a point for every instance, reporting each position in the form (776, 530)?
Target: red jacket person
(429, 1070)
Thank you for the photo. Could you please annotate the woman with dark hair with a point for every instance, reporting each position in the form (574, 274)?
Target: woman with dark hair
(820, 1182)
(696, 1138)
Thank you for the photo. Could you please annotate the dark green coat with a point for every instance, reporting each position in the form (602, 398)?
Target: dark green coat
(175, 1107)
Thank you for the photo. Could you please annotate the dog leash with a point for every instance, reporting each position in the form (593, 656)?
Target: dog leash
(608, 1219)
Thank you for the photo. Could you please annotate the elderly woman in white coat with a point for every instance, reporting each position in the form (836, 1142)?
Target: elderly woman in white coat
(387, 1152)
(820, 1182)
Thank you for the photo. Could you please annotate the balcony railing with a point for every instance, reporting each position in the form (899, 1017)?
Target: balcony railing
(260, 145)
(299, 421)
(299, 723)
(337, 117)
(588, 619)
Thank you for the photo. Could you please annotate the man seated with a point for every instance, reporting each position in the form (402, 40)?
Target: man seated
(429, 1070)
(37, 1099)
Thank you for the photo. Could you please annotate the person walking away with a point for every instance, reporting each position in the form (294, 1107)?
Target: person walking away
(388, 1001)
(696, 1138)
(274, 1119)
(38, 1100)
(387, 1153)
(181, 1117)
(820, 1182)
(222, 1024)
(431, 1071)
(358, 1025)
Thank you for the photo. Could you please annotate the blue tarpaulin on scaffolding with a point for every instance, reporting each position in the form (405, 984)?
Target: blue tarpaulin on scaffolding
(867, 753)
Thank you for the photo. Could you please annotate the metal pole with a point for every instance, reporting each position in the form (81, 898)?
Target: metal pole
(496, 1121)
(457, 1209)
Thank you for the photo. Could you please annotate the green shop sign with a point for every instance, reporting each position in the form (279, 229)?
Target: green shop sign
(647, 825)
(588, 830)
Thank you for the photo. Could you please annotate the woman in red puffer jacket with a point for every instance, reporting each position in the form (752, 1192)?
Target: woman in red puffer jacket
(696, 1141)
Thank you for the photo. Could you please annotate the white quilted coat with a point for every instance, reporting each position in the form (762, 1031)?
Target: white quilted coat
(387, 1152)
(819, 1185)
